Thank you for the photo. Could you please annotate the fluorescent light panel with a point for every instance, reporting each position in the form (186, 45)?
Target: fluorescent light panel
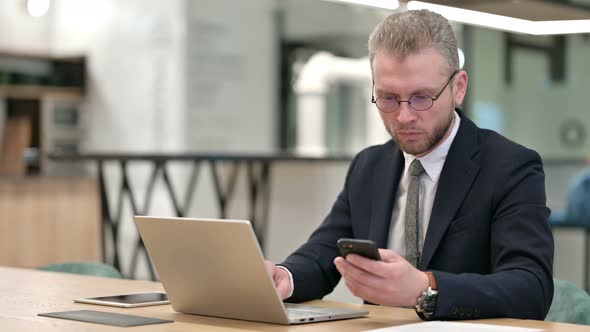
(38, 8)
(505, 23)
(385, 4)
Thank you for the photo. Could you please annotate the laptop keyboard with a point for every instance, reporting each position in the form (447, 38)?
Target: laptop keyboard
(296, 313)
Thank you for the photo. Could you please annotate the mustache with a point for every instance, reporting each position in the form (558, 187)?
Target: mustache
(408, 128)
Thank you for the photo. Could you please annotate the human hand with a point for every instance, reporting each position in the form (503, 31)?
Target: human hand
(281, 279)
(393, 281)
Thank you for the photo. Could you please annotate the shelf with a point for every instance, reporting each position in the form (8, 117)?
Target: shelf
(19, 73)
(36, 91)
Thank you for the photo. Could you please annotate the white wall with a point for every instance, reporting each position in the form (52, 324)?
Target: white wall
(231, 75)
(531, 109)
(164, 75)
(19, 32)
(78, 23)
(135, 63)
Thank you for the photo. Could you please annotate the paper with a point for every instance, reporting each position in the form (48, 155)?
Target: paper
(454, 327)
(103, 317)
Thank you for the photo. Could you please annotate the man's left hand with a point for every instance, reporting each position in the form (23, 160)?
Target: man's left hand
(393, 281)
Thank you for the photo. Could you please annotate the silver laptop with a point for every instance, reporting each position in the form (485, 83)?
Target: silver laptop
(215, 267)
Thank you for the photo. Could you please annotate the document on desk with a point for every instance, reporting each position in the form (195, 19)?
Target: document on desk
(104, 317)
(454, 327)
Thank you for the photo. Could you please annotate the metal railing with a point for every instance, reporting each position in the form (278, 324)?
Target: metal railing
(257, 172)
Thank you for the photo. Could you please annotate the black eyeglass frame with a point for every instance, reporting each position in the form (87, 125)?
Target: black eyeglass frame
(433, 99)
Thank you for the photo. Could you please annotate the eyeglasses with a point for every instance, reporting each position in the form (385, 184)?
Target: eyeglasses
(420, 102)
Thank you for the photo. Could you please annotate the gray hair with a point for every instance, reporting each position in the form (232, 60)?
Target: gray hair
(402, 34)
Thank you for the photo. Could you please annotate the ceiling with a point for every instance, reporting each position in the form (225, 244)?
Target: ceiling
(533, 10)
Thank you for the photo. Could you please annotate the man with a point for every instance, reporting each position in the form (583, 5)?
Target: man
(461, 209)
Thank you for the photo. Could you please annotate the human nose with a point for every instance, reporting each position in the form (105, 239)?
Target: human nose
(405, 113)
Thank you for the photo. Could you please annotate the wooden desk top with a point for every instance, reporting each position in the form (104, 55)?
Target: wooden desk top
(25, 293)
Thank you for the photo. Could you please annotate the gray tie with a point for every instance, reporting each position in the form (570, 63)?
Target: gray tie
(411, 225)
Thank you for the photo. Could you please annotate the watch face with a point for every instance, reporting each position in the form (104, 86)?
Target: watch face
(429, 302)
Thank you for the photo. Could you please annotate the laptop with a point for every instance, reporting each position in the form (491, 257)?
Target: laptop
(214, 267)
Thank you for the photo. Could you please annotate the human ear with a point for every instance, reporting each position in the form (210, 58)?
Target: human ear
(460, 87)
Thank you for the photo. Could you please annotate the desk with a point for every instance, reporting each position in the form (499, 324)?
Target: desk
(25, 293)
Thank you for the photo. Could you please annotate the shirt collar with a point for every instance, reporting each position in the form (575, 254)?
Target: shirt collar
(435, 160)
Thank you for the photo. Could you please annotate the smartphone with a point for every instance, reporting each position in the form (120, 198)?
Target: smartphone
(128, 300)
(365, 248)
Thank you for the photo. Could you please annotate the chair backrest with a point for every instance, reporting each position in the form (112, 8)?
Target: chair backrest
(578, 199)
(85, 268)
(571, 304)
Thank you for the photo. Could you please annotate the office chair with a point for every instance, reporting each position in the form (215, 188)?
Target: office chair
(570, 304)
(577, 215)
(85, 268)
(578, 200)
(577, 212)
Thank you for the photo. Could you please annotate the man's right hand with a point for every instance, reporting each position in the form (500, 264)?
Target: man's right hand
(281, 279)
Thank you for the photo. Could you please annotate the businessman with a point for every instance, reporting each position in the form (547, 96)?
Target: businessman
(461, 211)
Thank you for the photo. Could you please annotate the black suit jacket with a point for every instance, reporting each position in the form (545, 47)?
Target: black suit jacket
(488, 241)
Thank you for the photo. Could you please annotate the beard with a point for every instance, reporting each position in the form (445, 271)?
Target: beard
(426, 145)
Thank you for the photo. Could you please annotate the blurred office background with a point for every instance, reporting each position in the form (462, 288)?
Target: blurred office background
(110, 108)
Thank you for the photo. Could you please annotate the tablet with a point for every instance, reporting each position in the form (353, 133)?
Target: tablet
(128, 300)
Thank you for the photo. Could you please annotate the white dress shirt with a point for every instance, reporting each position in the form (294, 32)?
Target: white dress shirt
(433, 164)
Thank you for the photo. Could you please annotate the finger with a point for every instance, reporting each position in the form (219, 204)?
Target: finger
(340, 264)
(280, 275)
(270, 267)
(344, 266)
(383, 269)
(388, 255)
(284, 287)
(365, 292)
(350, 271)
(364, 263)
(274, 272)
(359, 275)
(365, 285)
(284, 291)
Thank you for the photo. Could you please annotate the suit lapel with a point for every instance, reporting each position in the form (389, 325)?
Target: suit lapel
(458, 173)
(385, 182)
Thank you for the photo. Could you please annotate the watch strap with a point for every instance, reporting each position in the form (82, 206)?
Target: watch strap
(432, 280)
(428, 298)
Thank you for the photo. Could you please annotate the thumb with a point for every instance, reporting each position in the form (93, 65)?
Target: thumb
(271, 268)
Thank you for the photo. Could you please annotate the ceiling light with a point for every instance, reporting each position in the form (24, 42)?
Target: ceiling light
(38, 8)
(505, 23)
(561, 27)
(461, 58)
(385, 4)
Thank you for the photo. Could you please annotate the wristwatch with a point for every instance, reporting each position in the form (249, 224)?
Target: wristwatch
(427, 300)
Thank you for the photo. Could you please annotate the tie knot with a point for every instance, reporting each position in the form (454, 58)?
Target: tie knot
(416, 168)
